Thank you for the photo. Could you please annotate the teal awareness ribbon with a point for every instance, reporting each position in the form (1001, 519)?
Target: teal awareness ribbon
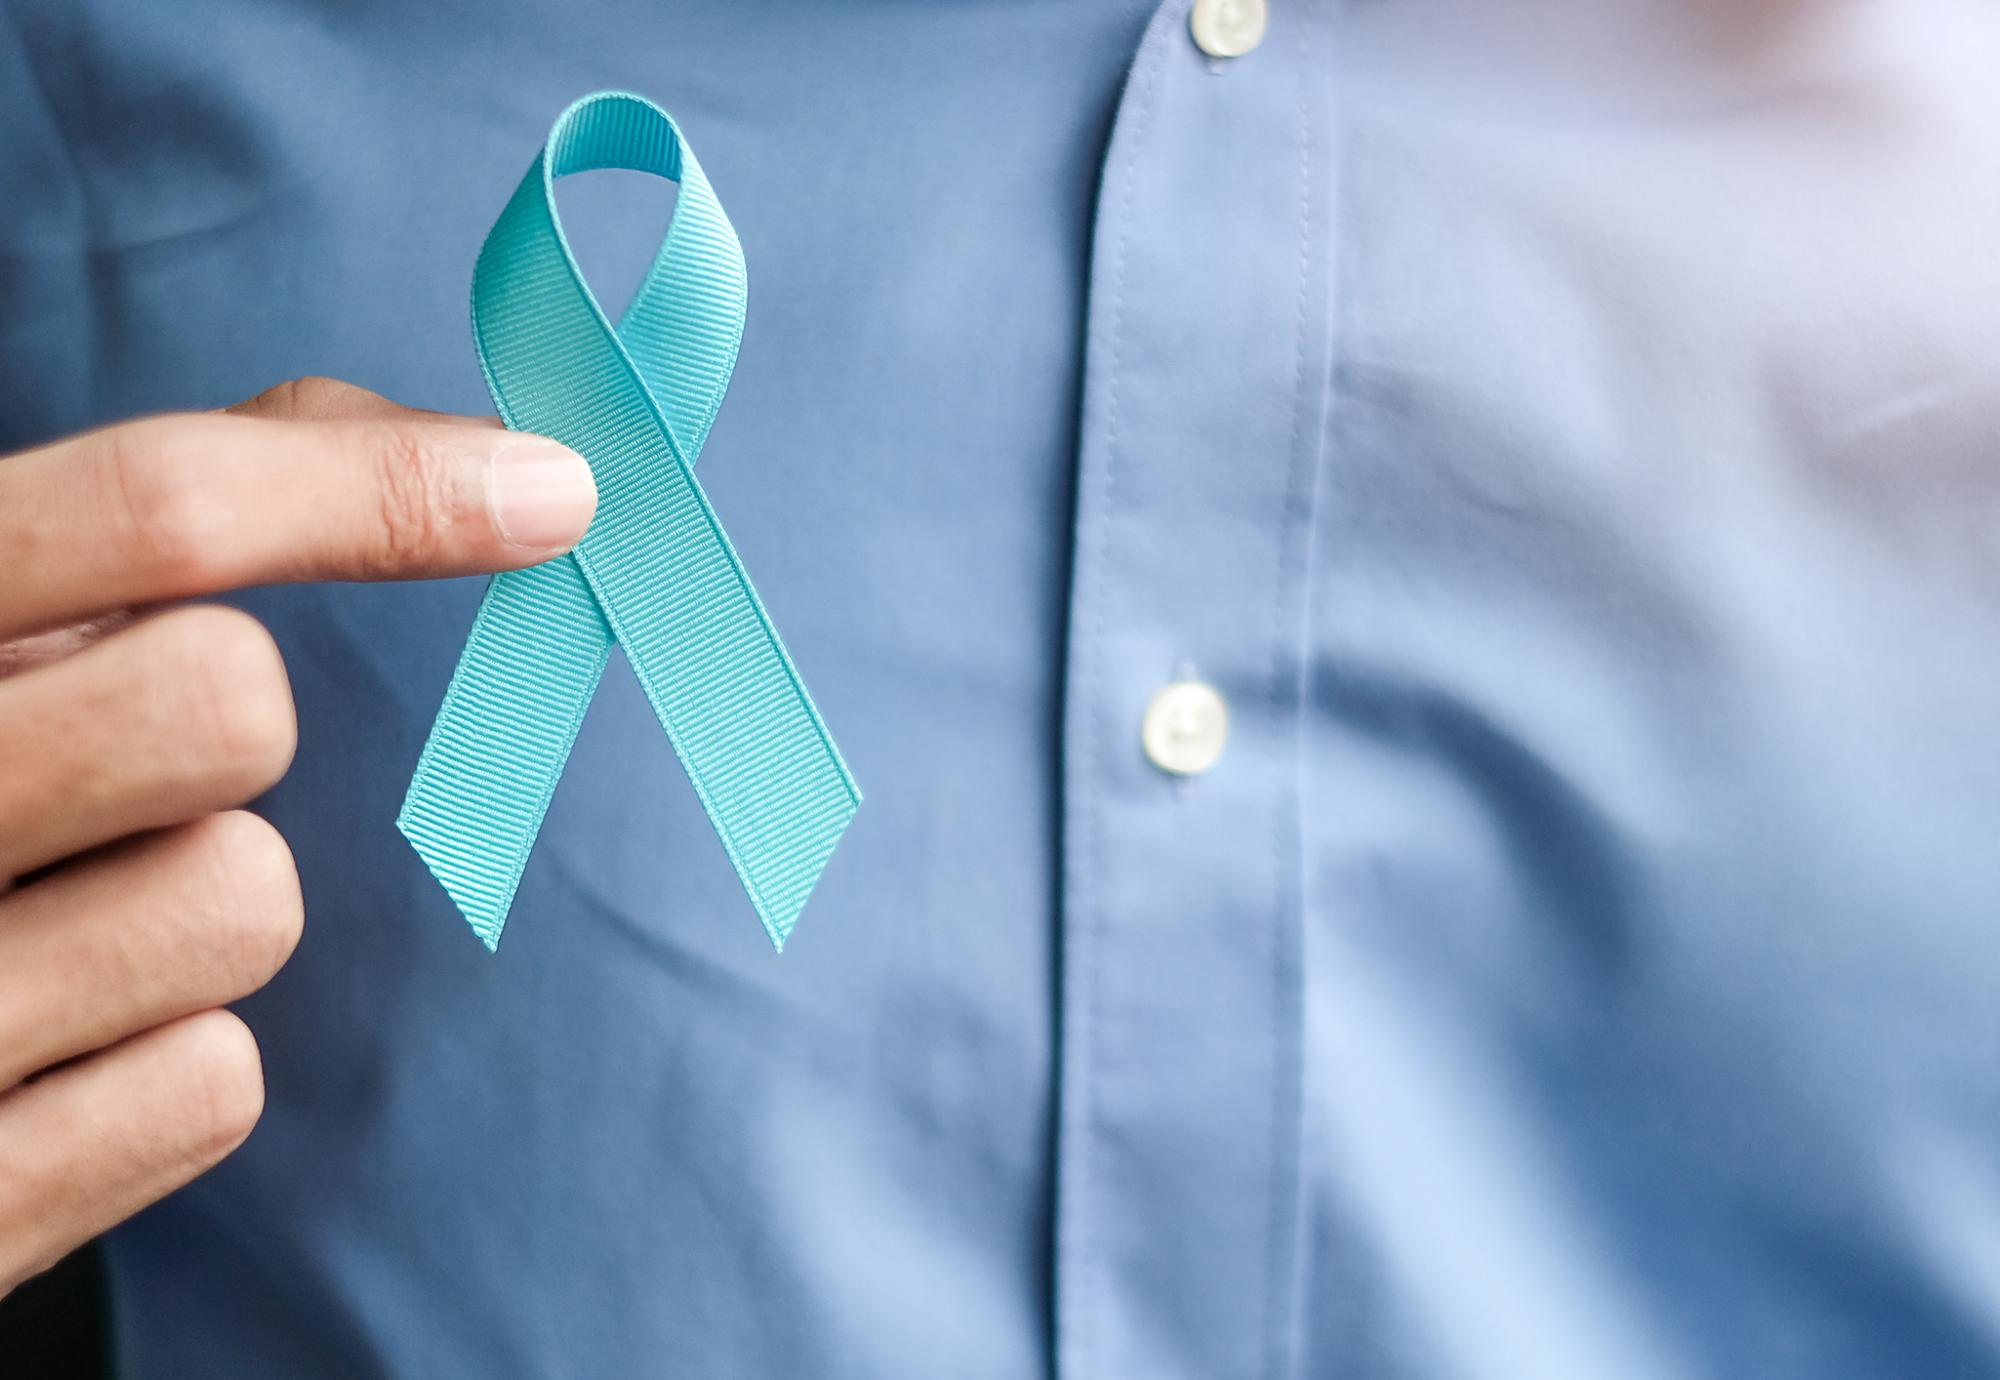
(655, 574)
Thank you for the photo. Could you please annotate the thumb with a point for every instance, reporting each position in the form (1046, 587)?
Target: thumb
(316, 399)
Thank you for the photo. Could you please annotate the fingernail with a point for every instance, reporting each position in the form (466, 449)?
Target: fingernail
(540, 493)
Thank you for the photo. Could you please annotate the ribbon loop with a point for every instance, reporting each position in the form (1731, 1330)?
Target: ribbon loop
(655, 573)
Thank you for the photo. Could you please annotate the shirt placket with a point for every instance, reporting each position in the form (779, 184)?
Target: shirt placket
(1205, 389)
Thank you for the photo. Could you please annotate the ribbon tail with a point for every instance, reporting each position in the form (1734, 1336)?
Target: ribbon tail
(510, 717)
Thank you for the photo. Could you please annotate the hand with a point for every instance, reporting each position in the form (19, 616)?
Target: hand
(134, 900)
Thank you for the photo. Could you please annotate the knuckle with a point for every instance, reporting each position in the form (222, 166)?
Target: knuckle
(173, 524)
(252, 885)
(415, 499)
(240, 700)
(224, 1088)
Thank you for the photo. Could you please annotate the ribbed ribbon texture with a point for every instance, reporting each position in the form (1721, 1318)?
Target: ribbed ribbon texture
(655, 574)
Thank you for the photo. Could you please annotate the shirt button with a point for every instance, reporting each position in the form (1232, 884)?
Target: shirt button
(1227, 28)
(1185, 728)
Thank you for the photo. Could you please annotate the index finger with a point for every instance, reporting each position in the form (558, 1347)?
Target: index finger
(176, 506)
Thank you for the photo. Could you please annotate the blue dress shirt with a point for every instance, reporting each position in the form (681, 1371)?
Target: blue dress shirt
(1564, 434)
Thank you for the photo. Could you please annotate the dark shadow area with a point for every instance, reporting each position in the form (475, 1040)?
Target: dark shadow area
(52, 1327)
